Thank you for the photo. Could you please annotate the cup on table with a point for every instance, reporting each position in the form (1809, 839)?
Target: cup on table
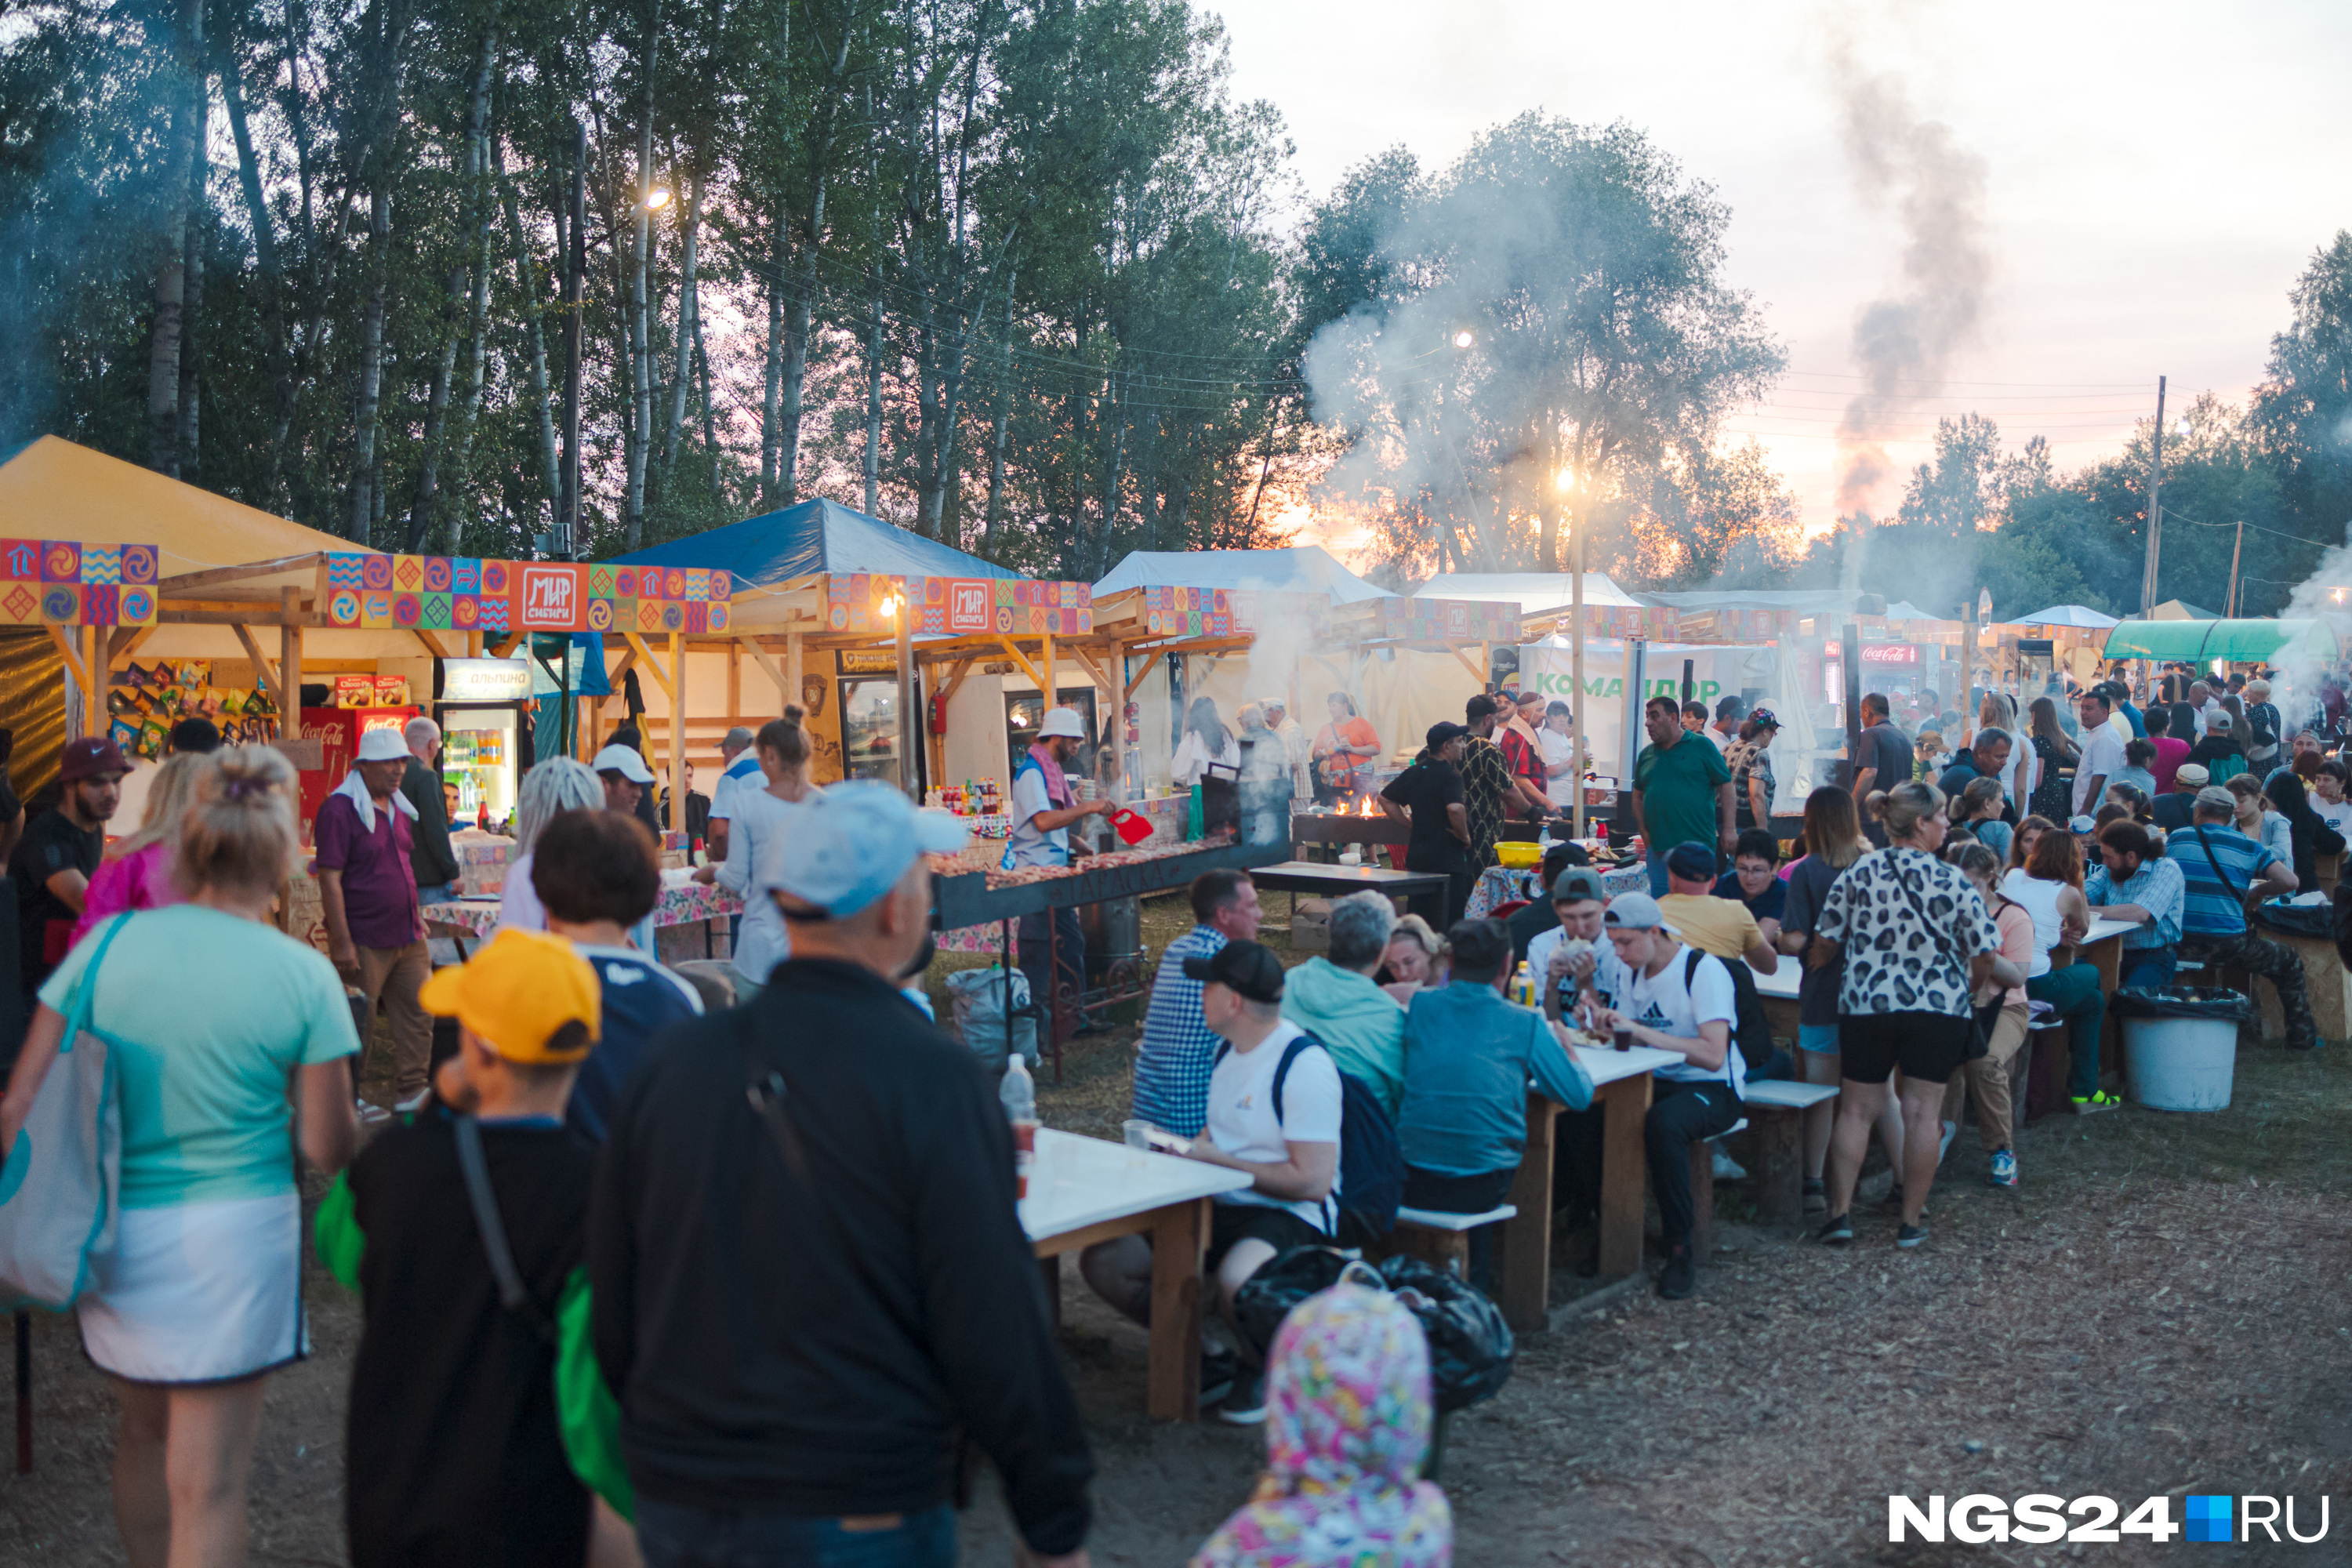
(1135, 1134)
(1625, 1039)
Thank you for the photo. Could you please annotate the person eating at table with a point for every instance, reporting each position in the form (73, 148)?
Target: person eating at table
(1288, 1143)
(1335, 998)
(1537, 918)
(1657, 992)
(1563, 958)
(1469, 1055)
(1415, 959)
(2134, 881)
(1176, 1050)
(1755, 881)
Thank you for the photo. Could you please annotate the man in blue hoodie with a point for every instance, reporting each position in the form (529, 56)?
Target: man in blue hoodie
(1336, 999)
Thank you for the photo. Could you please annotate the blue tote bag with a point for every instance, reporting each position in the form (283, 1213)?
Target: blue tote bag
(59, 1189)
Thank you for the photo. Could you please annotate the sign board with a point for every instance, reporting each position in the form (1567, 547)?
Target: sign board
(1886, 655)
(869, 602)
(485, 679)
(64, 582)
(1448, 620)
(469, 594)
(1232, 612)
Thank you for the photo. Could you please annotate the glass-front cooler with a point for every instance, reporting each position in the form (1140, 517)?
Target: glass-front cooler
(481, 768)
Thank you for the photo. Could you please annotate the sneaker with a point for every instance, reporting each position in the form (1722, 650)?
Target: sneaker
(1911, 1235)
(1727, 1169)
(1837, 1232)
(1218, 1366)
(1951, 1131)
(1817, 1198)
(1679, 1277)
(2100, 1101)
(2003, 1173)
(370, 1114)
(1246, 1405)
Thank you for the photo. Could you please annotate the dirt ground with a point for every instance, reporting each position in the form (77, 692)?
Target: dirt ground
(2161, 1308)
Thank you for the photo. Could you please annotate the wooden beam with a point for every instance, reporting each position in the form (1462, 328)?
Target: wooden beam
(1045, 656)
(955, 679)
(1021, 659)
(72, 654)
(1087, 663)
(289, 668)
(767, 662)
(1145, 669)
(653, 665)
(432, 644)
(263, 667)
(1476, 673)
(676, 733)
(506, 649)
(182, 584)
(795, 664)
(126, 640)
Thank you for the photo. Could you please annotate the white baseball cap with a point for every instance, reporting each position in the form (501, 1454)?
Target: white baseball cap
(380, 746)
(624, 760)
(846, 846)
(1063, 721)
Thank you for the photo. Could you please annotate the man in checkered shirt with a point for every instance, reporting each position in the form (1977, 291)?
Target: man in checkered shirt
(1173, 1060)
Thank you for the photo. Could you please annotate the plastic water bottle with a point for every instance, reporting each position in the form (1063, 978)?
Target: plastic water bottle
(1018, 1093)
(1523, 985)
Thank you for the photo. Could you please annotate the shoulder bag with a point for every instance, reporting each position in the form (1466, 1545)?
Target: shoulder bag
(61, 1188)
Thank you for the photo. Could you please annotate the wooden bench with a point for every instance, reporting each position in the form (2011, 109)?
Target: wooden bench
(1776, 1109)
(1443, 1238)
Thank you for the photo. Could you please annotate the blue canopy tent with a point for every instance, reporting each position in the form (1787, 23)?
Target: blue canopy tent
(811, 538)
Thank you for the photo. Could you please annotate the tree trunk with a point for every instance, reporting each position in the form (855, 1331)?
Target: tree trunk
(534, 331)
(1147, 484)
(1548, 540)
(462, 281)
(641, 346)
(710, 418)
(989, 530)
(365, 499)
(271, 280)
(184, 150)
(1113, 471)
(796, 344)
(690, 329)
(874, 402)
(191, 308)
(771, 383)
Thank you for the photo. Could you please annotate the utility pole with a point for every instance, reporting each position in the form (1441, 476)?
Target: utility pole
(575, 269)
(2231, 612)
(2155, 511)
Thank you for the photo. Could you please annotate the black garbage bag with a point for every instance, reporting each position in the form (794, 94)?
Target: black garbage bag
(1470, 1347)
(2183, 1002)
(2297, 920)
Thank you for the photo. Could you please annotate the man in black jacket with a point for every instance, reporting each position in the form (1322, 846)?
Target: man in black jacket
(808, 1269)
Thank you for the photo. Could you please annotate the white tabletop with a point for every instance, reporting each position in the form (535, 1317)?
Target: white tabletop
(1781, 983)
(2103, 928)
(1607, 1065)
(1078, 1181)
(1368, 874)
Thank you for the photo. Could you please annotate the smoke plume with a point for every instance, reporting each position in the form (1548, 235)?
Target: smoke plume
(1904, 343)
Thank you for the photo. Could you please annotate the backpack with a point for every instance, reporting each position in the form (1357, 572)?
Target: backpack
(1371, 1162)
(1752, 1031)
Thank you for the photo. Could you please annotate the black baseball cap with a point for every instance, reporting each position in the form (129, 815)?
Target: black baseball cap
(1441, 732)
(1242, 967)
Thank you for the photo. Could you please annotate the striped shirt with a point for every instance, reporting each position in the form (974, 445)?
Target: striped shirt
(2157, 887)
(1177, 1054)
(2213, 906)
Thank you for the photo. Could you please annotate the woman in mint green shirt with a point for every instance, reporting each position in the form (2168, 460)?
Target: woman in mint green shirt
(210, 1014)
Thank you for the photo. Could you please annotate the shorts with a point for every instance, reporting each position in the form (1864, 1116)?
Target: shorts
(1820, 1037)
(1928, 1046)
(1278, 1228)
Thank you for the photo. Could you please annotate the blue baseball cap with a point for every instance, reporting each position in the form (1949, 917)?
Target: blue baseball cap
(848, 843)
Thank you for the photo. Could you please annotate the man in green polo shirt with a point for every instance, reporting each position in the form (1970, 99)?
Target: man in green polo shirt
(1682, 790)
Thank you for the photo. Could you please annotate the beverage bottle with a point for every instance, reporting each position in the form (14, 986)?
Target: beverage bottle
(1019, 1094)
(1523, 985)
(1600, 831)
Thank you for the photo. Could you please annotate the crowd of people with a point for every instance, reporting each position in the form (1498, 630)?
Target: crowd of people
(648, 1273)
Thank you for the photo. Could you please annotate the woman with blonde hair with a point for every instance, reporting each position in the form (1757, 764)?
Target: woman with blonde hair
(558, 784)
(1915, 942)
(217, 1024)
(1414, 960)
(137, 872)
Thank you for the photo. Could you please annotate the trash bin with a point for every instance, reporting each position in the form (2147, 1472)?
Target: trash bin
(2180, 1044)
(977, 997)
(2308, 929)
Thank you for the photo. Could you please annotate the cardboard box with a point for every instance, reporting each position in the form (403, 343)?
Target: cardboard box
(1310, 926)
(356, 691)
(391, 691)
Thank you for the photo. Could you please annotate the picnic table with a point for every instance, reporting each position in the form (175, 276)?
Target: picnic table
(684, 906)
(1620, 1089)
(1085, 1190)
(1423, 891)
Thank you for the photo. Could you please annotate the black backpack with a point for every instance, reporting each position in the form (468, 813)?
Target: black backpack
(1752, 1031)
(1371, 1162)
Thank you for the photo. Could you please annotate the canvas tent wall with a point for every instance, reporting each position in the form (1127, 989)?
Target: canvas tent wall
(1299, 569)
(1532, 592)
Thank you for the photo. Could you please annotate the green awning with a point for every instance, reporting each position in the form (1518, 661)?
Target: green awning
(2242, 641)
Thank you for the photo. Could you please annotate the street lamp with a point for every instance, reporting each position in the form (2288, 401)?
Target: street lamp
(1464, 338)
(656, 199)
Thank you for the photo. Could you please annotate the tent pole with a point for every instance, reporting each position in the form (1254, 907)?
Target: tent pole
(1576, 672)
(910, 725)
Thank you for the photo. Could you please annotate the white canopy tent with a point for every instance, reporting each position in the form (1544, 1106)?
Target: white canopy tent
(1533, 592)
(1301, 568)
(2067, 615)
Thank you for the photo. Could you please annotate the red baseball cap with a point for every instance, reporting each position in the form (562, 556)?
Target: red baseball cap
(92, 757)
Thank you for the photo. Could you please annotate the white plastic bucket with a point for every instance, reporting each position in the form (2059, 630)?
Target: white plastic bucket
(2181, 1064)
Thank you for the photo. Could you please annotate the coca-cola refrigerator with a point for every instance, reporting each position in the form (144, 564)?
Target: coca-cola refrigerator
(337, 733)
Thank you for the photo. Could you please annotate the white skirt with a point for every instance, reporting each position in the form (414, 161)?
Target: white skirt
(204, 1292)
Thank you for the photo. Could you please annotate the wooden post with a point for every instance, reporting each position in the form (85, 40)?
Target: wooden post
(734, 682)
(2149, 570)
(677, 731)
(1119, 715)
(290, 661)
(1576, 677)
(2235, 551)
(1046, 672)
(94, 659)
(910, 724)
(793, 667)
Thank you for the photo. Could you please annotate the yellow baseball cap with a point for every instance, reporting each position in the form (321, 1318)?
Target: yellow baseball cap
(520, 993)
